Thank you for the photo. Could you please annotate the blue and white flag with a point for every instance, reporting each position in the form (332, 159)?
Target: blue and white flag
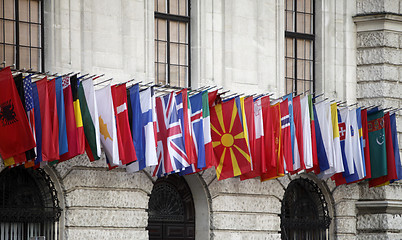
(61, 113)
(198, 128)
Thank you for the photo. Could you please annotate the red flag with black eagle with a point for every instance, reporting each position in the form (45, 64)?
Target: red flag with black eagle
(15, 134)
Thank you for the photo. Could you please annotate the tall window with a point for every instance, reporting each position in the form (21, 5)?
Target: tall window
(172, 42)
(21, 34)
(299, 48)
(304, 213)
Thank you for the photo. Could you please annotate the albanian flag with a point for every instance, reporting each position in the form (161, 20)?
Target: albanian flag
(228, 140)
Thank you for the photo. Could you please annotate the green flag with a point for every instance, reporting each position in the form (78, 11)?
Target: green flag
(378, 154)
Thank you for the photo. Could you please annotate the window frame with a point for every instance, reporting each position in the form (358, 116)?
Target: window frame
(16, 44)
(178, 18)
(294, 35)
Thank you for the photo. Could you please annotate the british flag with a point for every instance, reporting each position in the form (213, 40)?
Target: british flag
(170, 145)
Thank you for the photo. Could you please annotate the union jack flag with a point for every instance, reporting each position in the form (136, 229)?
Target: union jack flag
(170, 144)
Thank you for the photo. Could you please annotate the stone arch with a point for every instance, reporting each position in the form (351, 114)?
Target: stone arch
(325, 189)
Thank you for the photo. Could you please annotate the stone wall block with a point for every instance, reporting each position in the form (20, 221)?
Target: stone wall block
(82, 161)
(107, 198)
(346, 192)
(375, 6)
(379, 55)
(103, 178)
(346, 225)
(393, 191)
(246, 235)
(107, 218)
(372, 222)
(251, 203)
(378, 89)
(345, 208)
(246, 222)
(378, 39)
(375, 193)
(106, 234)
(377, 73)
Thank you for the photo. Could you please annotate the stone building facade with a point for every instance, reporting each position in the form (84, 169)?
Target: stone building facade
(238, 45)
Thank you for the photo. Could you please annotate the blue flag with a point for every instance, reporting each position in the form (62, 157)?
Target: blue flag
(360, 134)
(321, 153)
(198, 128)
(38, 124)
(292, 123)
(394, 133)
(61, 113)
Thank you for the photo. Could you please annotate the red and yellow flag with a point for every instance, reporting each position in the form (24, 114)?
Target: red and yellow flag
(228, 141)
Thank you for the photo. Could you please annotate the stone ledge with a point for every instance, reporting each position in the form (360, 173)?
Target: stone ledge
(105, 233)
(370, 207)
(378, 21)
(246, 235)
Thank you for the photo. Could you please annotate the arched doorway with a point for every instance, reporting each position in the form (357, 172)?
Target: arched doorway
(29, 206)
(304, 213)
(171, 212)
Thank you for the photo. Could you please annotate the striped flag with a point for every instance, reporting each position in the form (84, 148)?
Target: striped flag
(209, 152)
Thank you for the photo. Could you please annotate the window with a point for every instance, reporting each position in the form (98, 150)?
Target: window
(299, 45)
(29, 206)
(172, 42)
(304, 212)
(21, 34)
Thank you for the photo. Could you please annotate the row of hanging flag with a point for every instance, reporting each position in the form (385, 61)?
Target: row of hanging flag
(50, 121)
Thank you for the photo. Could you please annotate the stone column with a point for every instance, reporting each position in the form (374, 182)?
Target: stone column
(379, 75)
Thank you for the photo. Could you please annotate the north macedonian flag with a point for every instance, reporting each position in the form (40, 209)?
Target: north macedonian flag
(228, 140)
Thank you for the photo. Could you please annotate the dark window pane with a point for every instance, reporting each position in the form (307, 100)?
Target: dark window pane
(23, 6)
(24, 34)
(9, 9)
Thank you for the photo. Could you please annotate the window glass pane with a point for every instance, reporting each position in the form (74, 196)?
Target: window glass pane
(183, 76)
(289, 47)
(1, 54)
(300, 22)
(34, 11)
(174, 53)
(308, 71)
(289, 85)
(183, 7)
(9, 9)
(161, 6)
(23, 6)
(24, 58)
(9, 31)
(300, 49)
(35, 61)
(289, 21)
(308, 86)
(290, 68)
(308, 6)
(289, 5)
(309, 52)
(162, 53)
(161, 73)
(162, 29)
(300, 87)
(183, 54)
(308, 24)
(174, 31)
(300, 69)
(10, 55)
(24, 34)
(183, 32)
(174, 7)
(174, 76)
(1, 31)
(300, 5)
(35, 35)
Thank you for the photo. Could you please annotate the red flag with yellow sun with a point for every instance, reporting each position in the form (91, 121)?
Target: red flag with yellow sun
(228, 140)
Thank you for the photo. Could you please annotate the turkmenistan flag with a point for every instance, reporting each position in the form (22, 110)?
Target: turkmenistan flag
(378, 152)
(89, 113)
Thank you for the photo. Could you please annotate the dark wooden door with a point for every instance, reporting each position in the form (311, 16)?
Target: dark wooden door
(171, 210)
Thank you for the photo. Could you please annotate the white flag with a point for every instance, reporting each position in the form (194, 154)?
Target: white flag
(346, 135)
(307, 145)
(107, 124)
(357, 154)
